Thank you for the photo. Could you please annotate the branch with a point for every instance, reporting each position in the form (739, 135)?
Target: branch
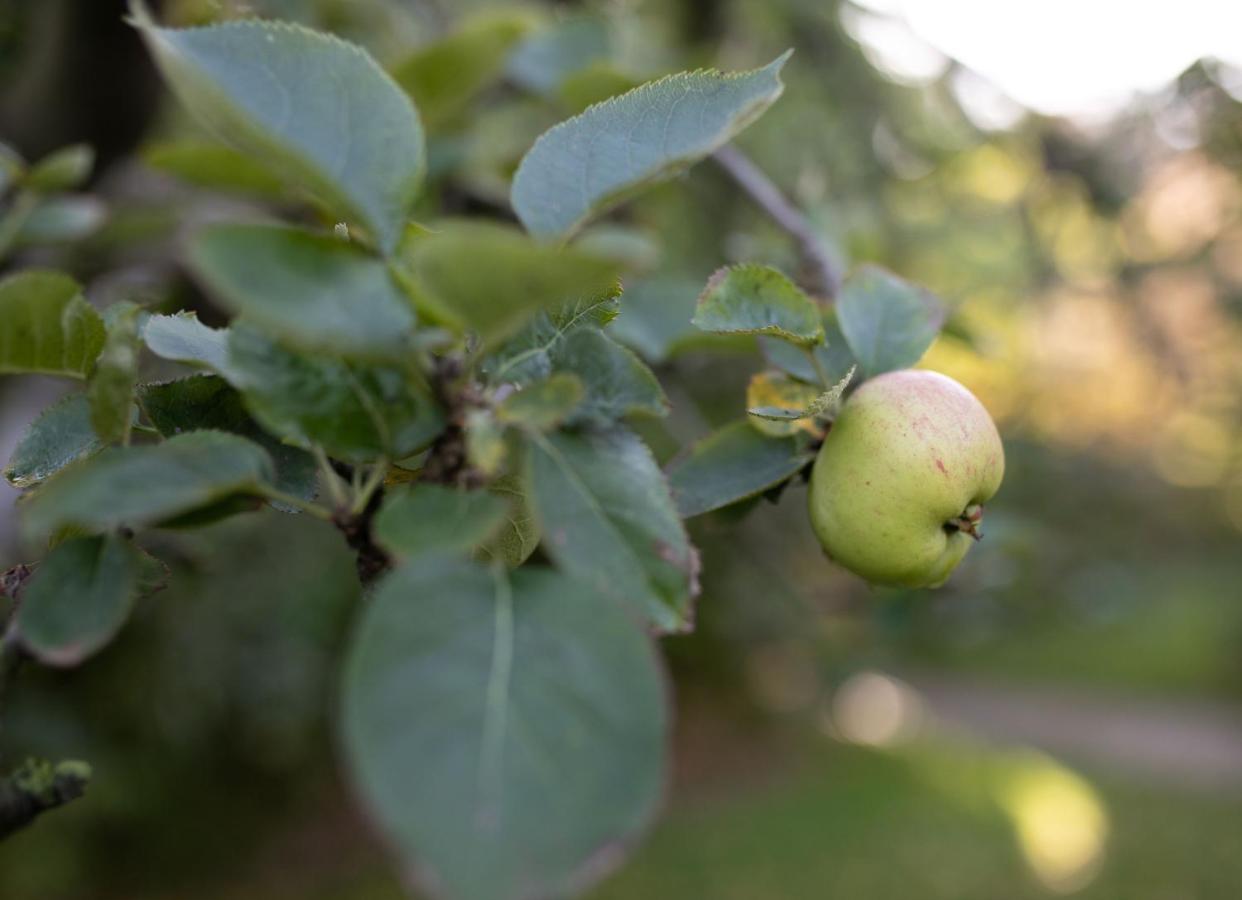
(37, 786)
(824, 278)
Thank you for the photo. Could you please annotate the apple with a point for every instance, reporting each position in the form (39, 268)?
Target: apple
(898, 487)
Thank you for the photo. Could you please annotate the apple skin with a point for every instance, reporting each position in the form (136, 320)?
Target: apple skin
(898, 486)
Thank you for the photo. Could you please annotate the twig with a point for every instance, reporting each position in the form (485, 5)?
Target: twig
(37, 786)
(824, 279)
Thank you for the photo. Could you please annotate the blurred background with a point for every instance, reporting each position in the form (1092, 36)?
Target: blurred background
(1065, 717)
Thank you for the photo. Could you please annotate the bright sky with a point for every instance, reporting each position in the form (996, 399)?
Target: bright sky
(1062, 57)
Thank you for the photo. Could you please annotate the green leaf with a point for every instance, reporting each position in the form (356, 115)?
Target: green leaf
(78, 598)
(65, 217)
(833, 355)
(519, 534)
(148, 485)
(356, 412)
(829, 402)
(445, 76)
(183, 338)
(778, 404)
(111, 390)
(528, 357)
(485, 441)
(506, 729)
(204, 402)
(62, 170)
(606, 515)
(210, 165)
(754, 299)
(315, 108)
(543, 405)
(431, 518)
(46, 326)
(889, 323)
(734, 463)
(617, 382)
(315, 291)
(60, 435)
(655, 318)
(591, 162)
(543, 61)
(491, 279)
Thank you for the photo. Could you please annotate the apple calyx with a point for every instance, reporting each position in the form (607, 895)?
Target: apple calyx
(968, 522)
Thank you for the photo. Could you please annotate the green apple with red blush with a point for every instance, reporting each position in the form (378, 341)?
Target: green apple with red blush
(898, 487)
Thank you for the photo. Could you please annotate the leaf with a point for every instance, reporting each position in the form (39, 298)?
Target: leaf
(445, 76)
(543, 61)
(78, 598)
(519, 534)
(183, 338)
(833, 355)
(754, 299)
(358, 413)
(733, 464)
(431, 518)
(485, 441)
(617, 382)
(62, 218)
(594, 160)
(315, 291)
(829, 402)
(506, 729)
(205, 402)
(655, 318)
(46, 326)
(311, 106)
(605, 512)
(215, 166)
(60, 435)
(778, 404)
(111, 390)
(491, 279)
(62, 170)
(543, 405)
(889, 323)
(528, 357)
(148, 485)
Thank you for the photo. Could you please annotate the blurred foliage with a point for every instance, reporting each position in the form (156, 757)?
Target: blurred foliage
(1094, 280)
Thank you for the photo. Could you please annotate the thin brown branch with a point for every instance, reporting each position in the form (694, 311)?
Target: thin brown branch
(822, 275)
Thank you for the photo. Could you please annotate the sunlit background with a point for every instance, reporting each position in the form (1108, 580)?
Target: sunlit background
(1065, 718)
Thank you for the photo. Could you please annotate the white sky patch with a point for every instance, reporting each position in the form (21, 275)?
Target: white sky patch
(1085, 58)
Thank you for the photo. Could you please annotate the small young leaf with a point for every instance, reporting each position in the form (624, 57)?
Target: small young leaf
(62, 170)
(732, 464)
(492, 279)
(315, 108)
(485, 441)
(205, 402)
(617, 382)
(754, 299)
(315, 291)
(111, 391)
(61, 435)
(445, 76)
(519, 535)
(778, 404)
(506, 729)
(46, 326)
(543, 405)
(591, 162)
(356, 412)
(78, 598)
(431, 518)
(605, 512)
(528, 357)
(183, 338)
(147, 485)
(889, 323)
(829, 402)
(215, 166)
